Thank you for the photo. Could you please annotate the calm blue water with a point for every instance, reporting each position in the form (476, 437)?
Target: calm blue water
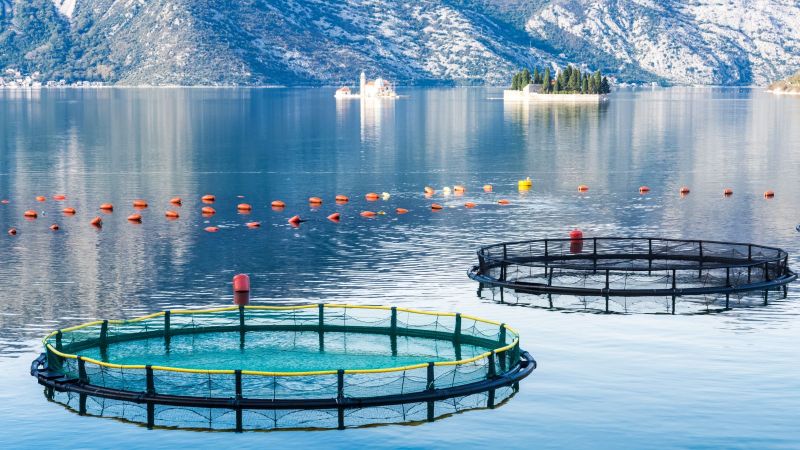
(716, 381)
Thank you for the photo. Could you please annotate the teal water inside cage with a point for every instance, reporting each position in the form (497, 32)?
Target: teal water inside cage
(280, 351)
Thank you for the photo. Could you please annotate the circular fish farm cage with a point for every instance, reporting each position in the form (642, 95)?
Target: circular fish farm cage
(633, 275)
(282, 367)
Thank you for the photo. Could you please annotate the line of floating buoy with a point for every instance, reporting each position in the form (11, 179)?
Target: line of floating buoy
(253, 224)
(459, 189)
(176, 201)
(316, 201)
(368, 214)
(684, 190)
(54, 227)
(503, 201)
(139, 203)
(208, 211)
(278, 204)
(470, 205)
(335, 217)
(644, 189)
(583, 188)
(769, 194)
(208, 198)
(727, 192)
(96, 222)
(31, 214)
(211, 229)
(12, 231)
(487, 188)
(68, 211)
(295, 220)
(244, 207)
(436, 207)
(136, 218)
(401, 210)
(342, 199)
(59, 197)
(41, 198)
(170, 214)
(106, 207)
(371, 197)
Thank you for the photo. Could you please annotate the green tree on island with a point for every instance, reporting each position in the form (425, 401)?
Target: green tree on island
(569, 80)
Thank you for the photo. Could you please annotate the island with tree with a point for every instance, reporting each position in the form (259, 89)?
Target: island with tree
(566, 85)
(789, 85)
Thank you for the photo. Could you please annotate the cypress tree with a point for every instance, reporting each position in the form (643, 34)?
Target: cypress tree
(605, 88)
(515, 82)
(585, 85)
(597, 81)
(574, 83)
(546, 87)
(525, 79)
(537, 77)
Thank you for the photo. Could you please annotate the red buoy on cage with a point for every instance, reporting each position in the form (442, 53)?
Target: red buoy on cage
(576, 241)
(241, 289)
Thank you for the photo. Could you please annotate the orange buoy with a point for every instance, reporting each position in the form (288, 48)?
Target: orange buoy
(368, 214)
(769, 194)
(211, 229)
(139, 204)
(583, 188)
(459, 188)
(278, 204)
(470, 205)
(372, 196)
(343, 198)
(208, 198)
(31, 214)
(54, 227)
(436, 206)
(135, 218)
(253, 224)
(295, 220)
(176, 201)
(59, 197)
(644, 189)
(12, 231)
(487, 188)
(41, 198)
(97, 222)
(401, 210)
(244, 207)
(503, 201)
(208, 211)
(335, 217)
(170, 214)
(68, 211)
(315, 200)
(684, 190)
(429, 190)
(106, 207)
(727, 192)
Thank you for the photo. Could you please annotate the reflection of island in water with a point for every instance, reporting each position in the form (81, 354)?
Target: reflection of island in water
(373, 112)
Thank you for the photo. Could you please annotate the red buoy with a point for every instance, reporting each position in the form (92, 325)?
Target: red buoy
(644, 189)
(12, 231)
(176, 201)
(315, 200)
(769, 194)
(241, 289)
(244, 207)
(470, 205)
(253, 224)
(97, 222)
(368, 214)
(576, 241)
(727, 192)
(401, 210)
(41, 198)
(436, 206)
(107, 207)
(208, 211)
(335, 217)
(170, 214)
(139, 203)
(68, 211)
(342, 199)
(31, 214)
(211, 229)
(54, 227)
(136, 218)
(59, 197)
(583, 188)
(295, 220)
(372, 196)
(208, 198)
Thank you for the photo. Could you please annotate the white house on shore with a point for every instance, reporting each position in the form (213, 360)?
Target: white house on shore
(377, 88)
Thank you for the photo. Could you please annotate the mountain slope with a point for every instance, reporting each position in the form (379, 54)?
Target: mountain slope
(429, 41)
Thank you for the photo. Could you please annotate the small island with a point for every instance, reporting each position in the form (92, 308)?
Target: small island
(789, 86)
(568, 85)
